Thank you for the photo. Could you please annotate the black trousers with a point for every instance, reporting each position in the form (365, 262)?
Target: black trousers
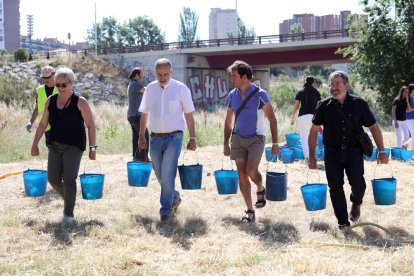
(350, 160)
(141, 155)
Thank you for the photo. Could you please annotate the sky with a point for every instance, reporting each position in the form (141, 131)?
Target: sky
(57, 18)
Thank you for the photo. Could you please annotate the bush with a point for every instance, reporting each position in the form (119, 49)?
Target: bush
(21, 55)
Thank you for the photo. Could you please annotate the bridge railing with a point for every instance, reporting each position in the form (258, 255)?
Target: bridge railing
(254, 40)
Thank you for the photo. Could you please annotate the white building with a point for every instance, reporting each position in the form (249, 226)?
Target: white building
(9, 25)
(222, 23)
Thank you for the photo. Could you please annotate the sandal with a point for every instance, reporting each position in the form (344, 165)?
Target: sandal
(249, 216)
(261, 202)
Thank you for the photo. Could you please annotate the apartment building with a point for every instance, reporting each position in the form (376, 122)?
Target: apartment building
(9, 25)
(222, 22)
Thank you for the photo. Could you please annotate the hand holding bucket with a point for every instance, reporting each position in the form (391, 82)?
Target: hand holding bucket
(276, 185)
(190, 175)
(92, 183)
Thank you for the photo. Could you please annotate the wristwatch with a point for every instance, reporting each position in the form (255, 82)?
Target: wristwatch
(92, 148)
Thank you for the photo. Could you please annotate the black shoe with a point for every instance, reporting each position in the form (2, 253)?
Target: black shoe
(355, 212)
(342, 227)
(176, 204)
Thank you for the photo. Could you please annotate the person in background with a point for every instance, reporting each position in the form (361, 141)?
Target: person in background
(42, 93)
(168, 106)
(248, 136)
(400, 107)
(342, 149)
(67, 113)
(135, 93)
(306, 101)
(410, 114)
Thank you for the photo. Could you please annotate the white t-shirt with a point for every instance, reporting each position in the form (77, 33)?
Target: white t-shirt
(166, 107)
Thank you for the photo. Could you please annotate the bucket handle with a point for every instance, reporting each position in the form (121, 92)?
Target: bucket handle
(222, 163)
(97, 162)
(267, 169)
(392, 171)
(138, 150)
(41, 162)
(186, 152)
(307, 176)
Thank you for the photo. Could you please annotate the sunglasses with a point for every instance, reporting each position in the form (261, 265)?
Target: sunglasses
(63, 85)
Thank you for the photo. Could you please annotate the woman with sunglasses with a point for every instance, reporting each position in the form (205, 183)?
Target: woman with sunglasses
(67, 113)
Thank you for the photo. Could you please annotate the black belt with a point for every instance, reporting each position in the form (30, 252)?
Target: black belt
(153, 134)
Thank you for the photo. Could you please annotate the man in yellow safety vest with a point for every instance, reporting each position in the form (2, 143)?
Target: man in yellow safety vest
(43, 92)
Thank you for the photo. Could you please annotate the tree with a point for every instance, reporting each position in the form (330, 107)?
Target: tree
(384, 51)
(188, 25)
(244, 34)
(138, 31)
(21, 55)
(296, 30)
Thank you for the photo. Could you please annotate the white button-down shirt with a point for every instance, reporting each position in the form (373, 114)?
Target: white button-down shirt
(166, 107)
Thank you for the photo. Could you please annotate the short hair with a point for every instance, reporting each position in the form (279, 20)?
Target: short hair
(242, 68)
(134, 72)
(410, 87)
(342, 74)
(65, 73)
(163, 62)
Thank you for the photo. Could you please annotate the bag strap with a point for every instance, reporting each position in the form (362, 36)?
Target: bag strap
(244, 104)
(348, 121)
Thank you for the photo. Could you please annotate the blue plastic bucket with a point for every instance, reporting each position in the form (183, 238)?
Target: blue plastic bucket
(396, 153)
(276, 186)
(320, 140)
(384, 190)
(138, 173)
(269, 156)
(320, 153)
(92, 185)
(287, 155)
(373, 157)
(298, 153)
(292, 139)
(314, 196)
(227, 181)
(387, 152)
(190, 176)
(406, 155)
(35, 182)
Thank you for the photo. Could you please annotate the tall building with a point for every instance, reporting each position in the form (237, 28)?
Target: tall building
(9, 25)
(312, 23)
(222, 23)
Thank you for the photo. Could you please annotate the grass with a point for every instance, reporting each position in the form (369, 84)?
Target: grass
(121, 233)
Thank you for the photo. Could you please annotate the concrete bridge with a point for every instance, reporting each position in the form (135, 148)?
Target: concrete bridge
(202, 64)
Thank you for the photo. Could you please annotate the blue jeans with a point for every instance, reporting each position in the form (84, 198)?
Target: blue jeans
(165, 152)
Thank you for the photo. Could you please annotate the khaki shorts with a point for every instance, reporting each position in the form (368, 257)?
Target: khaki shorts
(244, 148)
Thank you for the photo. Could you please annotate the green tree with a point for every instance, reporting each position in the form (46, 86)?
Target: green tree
(20, 55)
(144, 31)
(188, 25)
(296, 30)
(244, 34)
(384, 51)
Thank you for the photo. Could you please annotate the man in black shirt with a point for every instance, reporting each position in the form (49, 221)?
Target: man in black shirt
(342, 150)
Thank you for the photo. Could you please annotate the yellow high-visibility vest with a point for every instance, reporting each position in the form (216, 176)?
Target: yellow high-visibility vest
(41, 101)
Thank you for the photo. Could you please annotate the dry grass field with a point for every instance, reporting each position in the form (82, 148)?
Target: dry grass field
(121, 234)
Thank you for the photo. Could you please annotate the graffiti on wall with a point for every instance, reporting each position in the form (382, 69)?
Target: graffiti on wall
(209, 88)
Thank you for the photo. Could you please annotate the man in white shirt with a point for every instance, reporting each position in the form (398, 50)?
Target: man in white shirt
(168, 106)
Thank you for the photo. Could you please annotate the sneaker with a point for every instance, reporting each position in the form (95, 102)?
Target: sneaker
(176, 204)
(67, 219)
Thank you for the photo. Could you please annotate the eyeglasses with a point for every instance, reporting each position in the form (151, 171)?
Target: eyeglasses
(47, 77)
(63, 85)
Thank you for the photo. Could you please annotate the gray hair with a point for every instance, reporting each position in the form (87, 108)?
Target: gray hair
(163, 62)
(65, 73)
(342, 74)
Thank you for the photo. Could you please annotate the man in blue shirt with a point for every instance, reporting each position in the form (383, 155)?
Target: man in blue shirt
(248, 135)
